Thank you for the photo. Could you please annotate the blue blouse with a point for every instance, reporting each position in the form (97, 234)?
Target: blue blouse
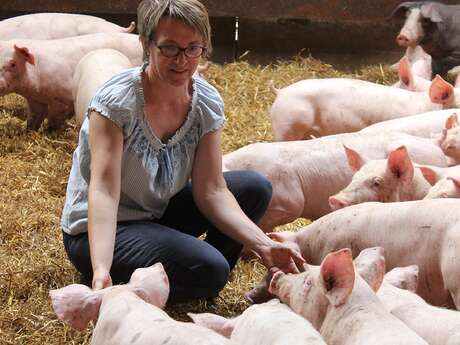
(151, 171)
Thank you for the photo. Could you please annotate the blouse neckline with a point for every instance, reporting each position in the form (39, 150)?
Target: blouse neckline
(149, 133)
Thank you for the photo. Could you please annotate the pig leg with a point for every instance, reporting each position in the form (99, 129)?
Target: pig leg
(449, 268)
(36, 113)
(57, 113)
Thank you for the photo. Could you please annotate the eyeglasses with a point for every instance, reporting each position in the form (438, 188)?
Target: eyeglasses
(172, 51)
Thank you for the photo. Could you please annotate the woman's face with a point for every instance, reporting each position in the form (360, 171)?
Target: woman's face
(172, 33)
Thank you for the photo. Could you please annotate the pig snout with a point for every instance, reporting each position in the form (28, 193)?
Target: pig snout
(336, 203)
(402, 40)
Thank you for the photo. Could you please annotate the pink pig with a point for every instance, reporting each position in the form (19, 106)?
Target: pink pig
(305, 173)
(317, 107)
(270, 323)
(385, 180)
(92, 71)
(409, 80)
(445, 181)
(423, 232)
(419, 61)
(340, 304)
(426, 125)
(131, 313)
(450, 138)
(50, 26)
(438, 326)
(42, 71)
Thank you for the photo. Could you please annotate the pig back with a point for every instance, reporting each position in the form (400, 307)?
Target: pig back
(91, 72)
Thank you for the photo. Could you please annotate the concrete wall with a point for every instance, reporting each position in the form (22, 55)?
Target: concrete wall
(277, 28)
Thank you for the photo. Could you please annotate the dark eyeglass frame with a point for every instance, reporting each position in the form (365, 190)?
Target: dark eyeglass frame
(163, 50)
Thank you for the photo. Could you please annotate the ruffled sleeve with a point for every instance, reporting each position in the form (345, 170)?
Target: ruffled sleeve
(210, 107)
(116, 99)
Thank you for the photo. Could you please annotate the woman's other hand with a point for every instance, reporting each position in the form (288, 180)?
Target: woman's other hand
(101, 279)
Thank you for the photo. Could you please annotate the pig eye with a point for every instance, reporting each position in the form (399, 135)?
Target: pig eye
(12, 64)
(376, 182)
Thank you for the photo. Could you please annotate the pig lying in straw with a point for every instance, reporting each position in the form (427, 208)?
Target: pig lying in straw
(340, 304)
(317, 107)
(423, 232)
(92, 71)
(42, 71)
(270, 323)
(51, 26)
(438, 326)
(305, 173)
(129, 314)
(385, 180)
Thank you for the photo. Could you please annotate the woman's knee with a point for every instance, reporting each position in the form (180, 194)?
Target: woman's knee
(252, 191)
(198, 280)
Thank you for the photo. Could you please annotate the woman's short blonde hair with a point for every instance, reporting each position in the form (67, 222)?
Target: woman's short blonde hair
(190, 12)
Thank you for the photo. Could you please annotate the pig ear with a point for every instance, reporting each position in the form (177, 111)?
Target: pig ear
(440, 90)
(25, 54)
(337, 276)
(405, 73)
(370, 265)
(76, 305)
(400, 164)
(455, 180)
(354, 159)
(151, 284)
(273, 288)
(404, 277)
(215, 322)
(400, 10)
(431, 11)
(452, 121)
(429, 174)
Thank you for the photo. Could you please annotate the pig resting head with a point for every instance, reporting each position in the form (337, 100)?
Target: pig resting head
(447, 187)
(370, 265)
(404, 277)
(311, 292)
(450, 138)
(76, 305)
(151, 284)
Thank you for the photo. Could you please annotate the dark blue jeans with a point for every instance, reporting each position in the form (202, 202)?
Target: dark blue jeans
(195, 268)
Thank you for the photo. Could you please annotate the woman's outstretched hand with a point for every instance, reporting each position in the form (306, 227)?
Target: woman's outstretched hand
(279, 256)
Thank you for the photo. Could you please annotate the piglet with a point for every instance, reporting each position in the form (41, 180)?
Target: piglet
(129, 314)
(426, 125)
(340, 304)
(438, 326)
(51, 26)
(408, 80)
(304, 174)
(385, 180)
(429, 226)
(317, 107)
(42, 71)
(445, 181)
(270, 323)
(450, 138)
